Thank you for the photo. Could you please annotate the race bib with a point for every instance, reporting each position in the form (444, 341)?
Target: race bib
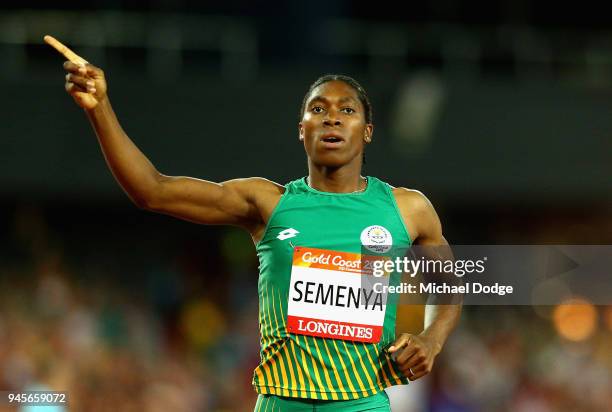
(331, 296)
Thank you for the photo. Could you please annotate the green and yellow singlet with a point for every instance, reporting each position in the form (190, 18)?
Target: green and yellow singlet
(330, 352)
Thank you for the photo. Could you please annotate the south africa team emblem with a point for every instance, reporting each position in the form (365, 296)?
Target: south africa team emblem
(376, 239)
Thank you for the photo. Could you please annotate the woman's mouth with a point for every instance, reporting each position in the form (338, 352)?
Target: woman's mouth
(332, 140)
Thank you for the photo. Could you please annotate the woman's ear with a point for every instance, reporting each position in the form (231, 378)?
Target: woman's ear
(369, 129)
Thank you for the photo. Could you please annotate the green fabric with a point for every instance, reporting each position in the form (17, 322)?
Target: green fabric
(272, 403)
(301, 366)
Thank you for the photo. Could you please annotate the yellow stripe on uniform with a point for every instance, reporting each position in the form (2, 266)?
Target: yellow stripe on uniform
(259, 378)
(270, 359)
(299, 369)
(331, 358)
(322, 389)
(348, 377)
(326, 373)
(286, 351)
(359, 381)
(365, 372)
(374, 367)
(313, 393)
(382, 368)
(398, 380)
(268, 343)
(262, 321)
(264, 362)
(282, 363)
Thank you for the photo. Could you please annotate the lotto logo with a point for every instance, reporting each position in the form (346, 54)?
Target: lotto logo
(287, 234)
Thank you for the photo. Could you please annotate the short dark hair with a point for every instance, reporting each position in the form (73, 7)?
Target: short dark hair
(361, 93)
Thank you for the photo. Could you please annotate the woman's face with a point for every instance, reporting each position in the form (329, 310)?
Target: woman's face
(333, 126)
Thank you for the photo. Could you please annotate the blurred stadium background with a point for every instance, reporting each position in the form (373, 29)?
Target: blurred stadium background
(499, 112)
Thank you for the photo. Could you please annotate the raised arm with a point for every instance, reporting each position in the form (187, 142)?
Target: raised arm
(416, 353)
(241, 202)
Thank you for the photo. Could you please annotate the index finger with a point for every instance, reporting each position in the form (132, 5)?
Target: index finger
(65, 51)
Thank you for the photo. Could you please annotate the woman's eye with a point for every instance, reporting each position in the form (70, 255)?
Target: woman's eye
(348, 110)
(317, 109)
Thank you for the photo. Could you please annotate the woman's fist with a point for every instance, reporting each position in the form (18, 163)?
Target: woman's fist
(85, 83)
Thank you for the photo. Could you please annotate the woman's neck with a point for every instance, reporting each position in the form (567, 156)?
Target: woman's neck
(338, 180)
